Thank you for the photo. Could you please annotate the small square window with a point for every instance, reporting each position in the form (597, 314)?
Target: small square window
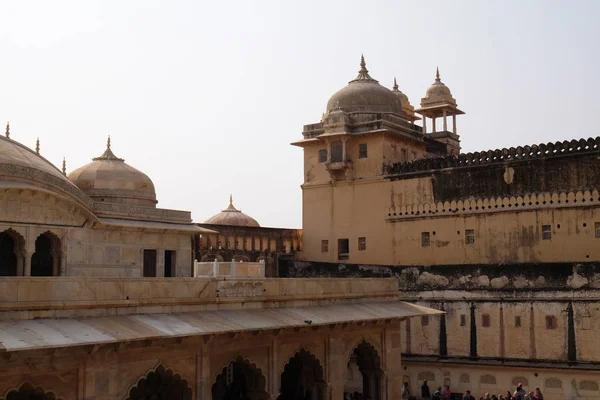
(551, 322)
(343, 249)
(517, 321)
(362, 243)
(322, 155)
(485, 320)
(324, 246)
(425, 239)
(463, 320)
(424, 320)
(598, 229)
(470, 236)
(362, 150)
(546, 232)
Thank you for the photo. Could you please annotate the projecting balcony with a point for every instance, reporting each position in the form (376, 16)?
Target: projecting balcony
(338, 165)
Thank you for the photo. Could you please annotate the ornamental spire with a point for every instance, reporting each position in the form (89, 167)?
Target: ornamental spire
(395, 88)
(7, 133)
(64, 167)
(437, 74)
(108, 154)
(230, 200)
(363, 73)
(37, 146)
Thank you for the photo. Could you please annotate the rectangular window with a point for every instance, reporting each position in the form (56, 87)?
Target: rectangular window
(424, 239)
(463, 320)
(470, 236)
(362, 150)
(343, 249)
(336, 151)
(551, 322)
(323, 155)
(598, 229)
(149, 263)
(518, 321)
(424, 320)
(485, 320)
(362, 243)
(546, 232)
(170, 263)
(324, 246)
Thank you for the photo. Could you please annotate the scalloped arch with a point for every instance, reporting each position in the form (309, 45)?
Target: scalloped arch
(244, 359)
(27, 388)
(156, 369)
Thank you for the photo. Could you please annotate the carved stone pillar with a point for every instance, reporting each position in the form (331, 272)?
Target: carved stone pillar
(27, 265)
(55, 264)
(20, 264)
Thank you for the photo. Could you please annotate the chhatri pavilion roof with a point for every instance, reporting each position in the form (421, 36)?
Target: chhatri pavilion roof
(232, 216)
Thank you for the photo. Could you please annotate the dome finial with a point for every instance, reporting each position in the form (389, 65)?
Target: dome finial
(7, 133)
(64, 167)
(230, 200)
(437, 74)
(37, 146)
(108, 143)
(363, 73)
(395, 85)
(108, 154)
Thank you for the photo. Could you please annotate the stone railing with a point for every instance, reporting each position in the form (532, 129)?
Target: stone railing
(495, 204)
(231, 269)
(160, 214)
(497, 156)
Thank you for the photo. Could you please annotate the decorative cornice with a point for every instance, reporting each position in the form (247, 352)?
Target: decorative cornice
(149, 213)
(120, 193)
(34, 174)
(530, 202)
(503, 156)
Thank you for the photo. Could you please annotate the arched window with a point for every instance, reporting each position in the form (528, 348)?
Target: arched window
(161, 384)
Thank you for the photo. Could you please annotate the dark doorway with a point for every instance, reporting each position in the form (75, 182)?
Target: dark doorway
(45, 259)
(170, 263)
(364, 374)
(149, 263)
(28, 392)
(240, 380)
(302, 378)
(161, 385)
(8, 254)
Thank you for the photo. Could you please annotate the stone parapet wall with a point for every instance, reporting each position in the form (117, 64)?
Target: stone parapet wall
(64, 297)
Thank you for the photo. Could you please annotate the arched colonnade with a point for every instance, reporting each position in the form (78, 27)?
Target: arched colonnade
(42, 259)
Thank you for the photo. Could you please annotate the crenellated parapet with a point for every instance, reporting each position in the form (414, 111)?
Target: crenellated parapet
(494, 204)
(498, 156)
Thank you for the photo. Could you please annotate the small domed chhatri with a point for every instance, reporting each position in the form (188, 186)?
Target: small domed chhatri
(109, 179)
(232, 216)
(438, 93)
(365, 94)
(407, 108)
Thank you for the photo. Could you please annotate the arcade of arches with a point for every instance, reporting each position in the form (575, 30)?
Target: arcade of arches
(16, 261)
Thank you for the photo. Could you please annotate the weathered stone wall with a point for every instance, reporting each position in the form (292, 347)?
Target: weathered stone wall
(539, 319)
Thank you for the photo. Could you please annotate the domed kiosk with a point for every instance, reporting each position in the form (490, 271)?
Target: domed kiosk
(231, 216)
(365, 94)
(109, 179)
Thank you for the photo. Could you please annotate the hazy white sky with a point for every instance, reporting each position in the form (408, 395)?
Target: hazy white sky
(205, 97)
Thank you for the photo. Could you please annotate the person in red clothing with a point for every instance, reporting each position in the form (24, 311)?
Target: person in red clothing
(538, 394)
(446, 394)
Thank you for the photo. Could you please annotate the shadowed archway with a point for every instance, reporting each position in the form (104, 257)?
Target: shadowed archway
(302, 378)
(364, 374)
(161, 384)
(240, 380)
(45, 261)
(12, 247)
(28, 392)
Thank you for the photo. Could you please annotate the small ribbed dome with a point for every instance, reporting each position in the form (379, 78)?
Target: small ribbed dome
(408, 109)
(109, 179)
(437, 94)
(232, 216)
(365, 94)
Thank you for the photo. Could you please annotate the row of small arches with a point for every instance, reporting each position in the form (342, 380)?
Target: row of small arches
(549, 383)
(497, 203)
(490, 156)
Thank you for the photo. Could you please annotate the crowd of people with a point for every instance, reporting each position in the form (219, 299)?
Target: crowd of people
(446, 394)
